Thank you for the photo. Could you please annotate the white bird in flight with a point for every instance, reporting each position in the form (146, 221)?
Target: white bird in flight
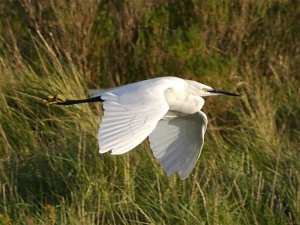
(167, 109)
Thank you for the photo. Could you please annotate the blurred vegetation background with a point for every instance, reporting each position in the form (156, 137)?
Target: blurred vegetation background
(50, 168)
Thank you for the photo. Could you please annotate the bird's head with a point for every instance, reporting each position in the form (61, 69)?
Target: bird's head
(205, 90)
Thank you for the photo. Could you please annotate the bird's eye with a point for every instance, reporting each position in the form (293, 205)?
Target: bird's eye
(204, 89)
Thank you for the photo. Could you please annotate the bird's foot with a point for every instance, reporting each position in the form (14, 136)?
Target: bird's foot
(52, 100)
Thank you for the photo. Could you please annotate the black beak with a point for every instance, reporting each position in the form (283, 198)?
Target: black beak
(223, 92)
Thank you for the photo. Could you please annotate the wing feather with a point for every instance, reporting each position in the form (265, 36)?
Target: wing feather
(181, 150)
(131, 113)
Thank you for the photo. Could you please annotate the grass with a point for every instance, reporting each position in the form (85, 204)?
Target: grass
(50, 168)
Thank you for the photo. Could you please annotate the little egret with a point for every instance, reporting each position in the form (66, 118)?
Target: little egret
(167, 109)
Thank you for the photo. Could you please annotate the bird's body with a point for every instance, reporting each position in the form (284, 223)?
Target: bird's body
(167, 109)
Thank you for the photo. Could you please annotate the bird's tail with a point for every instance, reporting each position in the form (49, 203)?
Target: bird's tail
(97, 92)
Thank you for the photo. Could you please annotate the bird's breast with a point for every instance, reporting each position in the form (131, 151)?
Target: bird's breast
(182, 102)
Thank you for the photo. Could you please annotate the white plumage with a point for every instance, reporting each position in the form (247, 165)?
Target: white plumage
(177, 142)
(166, 109)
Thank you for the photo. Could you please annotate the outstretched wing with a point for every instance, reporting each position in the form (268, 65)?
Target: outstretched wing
(177, 142)
(131, 113)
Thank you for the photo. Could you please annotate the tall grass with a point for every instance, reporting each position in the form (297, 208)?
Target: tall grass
(50, 169)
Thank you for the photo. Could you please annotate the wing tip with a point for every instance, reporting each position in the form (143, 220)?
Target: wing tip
(116, 153)
(102, 151)
(183, 176)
